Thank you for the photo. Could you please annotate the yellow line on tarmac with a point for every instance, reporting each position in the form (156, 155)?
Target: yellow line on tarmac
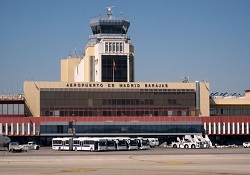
(170, 163)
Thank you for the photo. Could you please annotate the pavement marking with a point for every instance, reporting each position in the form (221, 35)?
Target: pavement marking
(176, 163)
(76, 171)
(154, 161)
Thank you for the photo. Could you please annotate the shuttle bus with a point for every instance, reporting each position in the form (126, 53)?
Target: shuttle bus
(132, 144)
(120, 143)
(143, 143)
(64, 143)
(90, 144)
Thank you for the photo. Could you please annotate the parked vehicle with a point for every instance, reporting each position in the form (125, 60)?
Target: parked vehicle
(191, 141)
(246, 144)
(15, 147)
(32, 146)
(153, 142)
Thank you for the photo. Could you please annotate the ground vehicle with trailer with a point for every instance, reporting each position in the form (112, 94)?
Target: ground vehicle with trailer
(190, 142)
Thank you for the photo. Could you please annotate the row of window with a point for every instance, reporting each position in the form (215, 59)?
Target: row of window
(88, 129)
(116, 102)
(113, 47)
(74, 95)
(118, 112)
(11, 109)
(229, 111)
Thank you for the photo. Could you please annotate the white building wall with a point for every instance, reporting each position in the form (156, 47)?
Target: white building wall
(79, 72)
(99, 51)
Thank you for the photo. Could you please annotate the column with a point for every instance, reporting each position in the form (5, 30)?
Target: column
(238, 128)
(247, 128)
(28, 129)
(233, 128)
(224, 128)
(22, 128)
(11, 129)
(209, 128)
(17, 129)
(219, 128)
(6, 129)
(214, 128)
(205, 127)
(228, 128)
(242, 128)
(1, 128)
(34, 129)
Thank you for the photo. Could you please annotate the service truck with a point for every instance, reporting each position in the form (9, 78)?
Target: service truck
(32, 145)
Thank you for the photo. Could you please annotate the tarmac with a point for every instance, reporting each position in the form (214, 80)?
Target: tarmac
(157, 161)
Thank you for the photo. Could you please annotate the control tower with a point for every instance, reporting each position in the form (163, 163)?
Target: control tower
(109, 54)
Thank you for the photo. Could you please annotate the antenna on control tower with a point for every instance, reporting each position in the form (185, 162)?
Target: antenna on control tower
(109, 11)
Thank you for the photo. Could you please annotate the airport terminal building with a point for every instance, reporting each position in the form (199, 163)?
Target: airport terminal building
(97, 96)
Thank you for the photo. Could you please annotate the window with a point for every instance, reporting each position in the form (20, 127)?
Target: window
(117, 47)
(106, 47)
(121, 47)
(113, 47)
(110, 47)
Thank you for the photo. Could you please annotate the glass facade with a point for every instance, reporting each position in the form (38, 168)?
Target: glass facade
(229, 111)
(117, 102)
(114, 68)
(126, 128)
(12, 109)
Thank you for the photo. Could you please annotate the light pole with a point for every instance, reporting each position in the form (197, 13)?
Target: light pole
(73, 126)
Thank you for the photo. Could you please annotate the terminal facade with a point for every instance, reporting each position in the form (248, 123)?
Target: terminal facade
(97, 96)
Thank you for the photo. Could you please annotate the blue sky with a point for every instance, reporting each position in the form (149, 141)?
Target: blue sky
(207, 40)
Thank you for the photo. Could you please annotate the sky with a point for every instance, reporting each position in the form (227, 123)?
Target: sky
(205, 40)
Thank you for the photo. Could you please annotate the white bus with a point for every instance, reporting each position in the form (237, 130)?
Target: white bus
(153, 142)
(120, 143)
(61, 143)
(132, 144)
(110, 144)
(89, 144)
(143, 143)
